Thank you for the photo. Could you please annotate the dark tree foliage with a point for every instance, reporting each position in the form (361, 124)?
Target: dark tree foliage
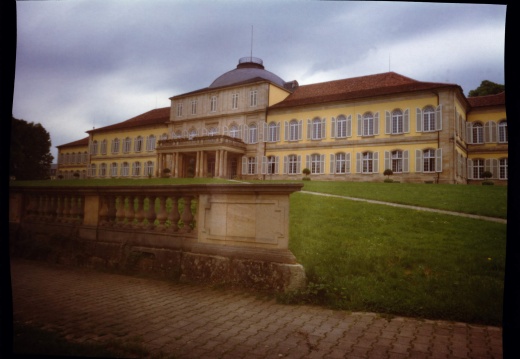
(30, 156)
(487, 88)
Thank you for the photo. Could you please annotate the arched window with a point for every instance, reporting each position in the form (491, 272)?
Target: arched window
(253, 133)
(213, 131)
(478, 168)
(148, 168)
(368, 124)
(103, 170)
(428, 118)
(397, 161)
(272, 132)
(294, 130)
(138, 144)
(127, 143)
(233, 131)
(502, 168)
(397, 121)
(94, 148)
(502, 131)
(316, 163)
(341, 163)
(104, 147)
(92, 169)
(115, 145)
(341, 127)
(192, 134)
(292, 164)
(150, 143)
(113, 169)
(124, 169)
(367, 162)
(429, 160)
(136, 168)
(477, 132)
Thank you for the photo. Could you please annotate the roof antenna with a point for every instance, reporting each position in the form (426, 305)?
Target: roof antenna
(251, 42)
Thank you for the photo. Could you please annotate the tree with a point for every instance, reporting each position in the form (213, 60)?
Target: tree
(487, 88)
(30, 156)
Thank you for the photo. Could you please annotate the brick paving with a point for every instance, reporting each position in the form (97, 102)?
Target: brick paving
(195, 321)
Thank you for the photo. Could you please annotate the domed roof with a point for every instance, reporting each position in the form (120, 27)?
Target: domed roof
(248, 68)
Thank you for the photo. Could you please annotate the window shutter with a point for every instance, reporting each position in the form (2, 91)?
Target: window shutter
(276, 163)
(285, 164)
(299, 164)
(376, 123)
(375, 163)
(470, 169)
(419, 120)
(244, 165)
(308, 161)
(387, 160)
(406, 165)
(493, 131)
(438, 160)
(264, 165)
(332, 168)
(323, 128)
(266, 133)
(278, 132)
(438, 118)
(358, 162)
(469, 132)
(406, 121)
(388, 122)
(494, 168)
(349, 126)
(347, 162)
(486, 132)
(359, 125)
(418, 161)
(245, 133)
(286, 131)
(322, 164)
(309, 129)
(332, 127)
(300, 129)
(225, 131)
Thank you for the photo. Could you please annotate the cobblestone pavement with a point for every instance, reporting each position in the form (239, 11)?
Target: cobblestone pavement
(195, 321)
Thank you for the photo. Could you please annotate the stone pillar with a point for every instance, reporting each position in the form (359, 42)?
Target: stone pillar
(217, 163)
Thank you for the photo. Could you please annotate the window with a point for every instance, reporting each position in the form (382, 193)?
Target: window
(136, 169)
(478, 168)
(104, 147)
(127, 143)
(94, 148)
(124, 169)
(273, 132)
(213, 104)
(92, 170)
(179, 109)
(292, 164)
(192, 134)
(164, 136)
(502, 133)
(502, 168)
(397, 161)
(253, 98)
(368, 124)
(113, 169)
(250, 165)
(213, 131)
(316, 129)
(429, 161)
(233, 131)
(293, 130)
(253, 133)
(340, 163)
(85, 157)
(341, 127)
(148, 168)
(194, 107)
(270, 165)
(138, 144)
(315, 163)
(150, 143)
(234, 101)
(367, 162)
(397, 122)
(477, 133)
(115, 146)
(177, 134)
(429, 119)
(103, 170)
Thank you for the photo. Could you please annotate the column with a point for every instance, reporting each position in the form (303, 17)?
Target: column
(217, 163)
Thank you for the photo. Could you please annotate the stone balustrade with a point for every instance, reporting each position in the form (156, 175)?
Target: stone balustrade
(215, 232)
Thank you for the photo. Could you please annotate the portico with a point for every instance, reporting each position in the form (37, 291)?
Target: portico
(204, 156)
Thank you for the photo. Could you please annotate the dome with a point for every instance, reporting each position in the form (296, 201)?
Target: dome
(248, 68)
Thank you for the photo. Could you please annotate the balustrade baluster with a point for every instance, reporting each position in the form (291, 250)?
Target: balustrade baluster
(103, 212)
(161, 214)
(73, 209)
(120, 212)
(81, 208)
(139, 213)
(130, 212)
(150, 214)
(174, 215)
(187, 216)
(66, 209)
(59, 208)
(111, 216)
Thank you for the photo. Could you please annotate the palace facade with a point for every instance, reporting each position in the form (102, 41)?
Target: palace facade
(250, 124)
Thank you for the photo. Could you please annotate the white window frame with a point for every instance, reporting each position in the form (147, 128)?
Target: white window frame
(292, 164)
(273, 132)
(339, 163)
(115, 146)
(127, 145)
(113, 169)
(138, 144)
(502, 134)
(94, 148)
(253, 98)
(136, 169)
(193, 107)
(148, 168)
(179, 109)
(150, 143)
(234, 101)
(503, 168)
(316, 163)
(213, 104)
(125, 168)
(341, 126)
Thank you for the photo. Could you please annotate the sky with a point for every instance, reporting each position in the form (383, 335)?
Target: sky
(84, 64)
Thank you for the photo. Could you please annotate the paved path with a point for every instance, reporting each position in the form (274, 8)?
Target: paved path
(195, 321)
(417, 208)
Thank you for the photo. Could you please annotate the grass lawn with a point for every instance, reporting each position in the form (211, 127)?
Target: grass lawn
(366, 257)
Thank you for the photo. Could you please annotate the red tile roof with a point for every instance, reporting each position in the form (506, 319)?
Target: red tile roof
(154, 117)
(489, 100)
(355, 88)
(82, 142)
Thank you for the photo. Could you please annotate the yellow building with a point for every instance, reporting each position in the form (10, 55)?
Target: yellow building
(249, 123)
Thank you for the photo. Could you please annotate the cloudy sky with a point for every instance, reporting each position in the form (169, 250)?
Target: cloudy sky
(91, 63)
